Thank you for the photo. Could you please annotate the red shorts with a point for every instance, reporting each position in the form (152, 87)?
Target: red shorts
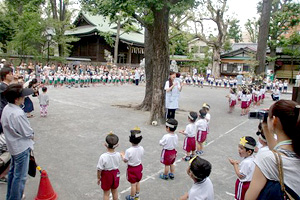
(189, 144)
(241, 189)
(256, 99)
(201, 136)
(244, 104)
(249, 103)
(168, 156)
(232, 103)
(263, 96)
(134, 173)
(110, 179)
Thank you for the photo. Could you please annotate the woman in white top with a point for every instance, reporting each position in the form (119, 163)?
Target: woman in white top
(172, 88)
(284, 121)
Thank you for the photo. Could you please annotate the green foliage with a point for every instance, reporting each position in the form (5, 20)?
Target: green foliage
(6, 28)
(235, 31)
(291, 45)
(227, 45)
(252, 27)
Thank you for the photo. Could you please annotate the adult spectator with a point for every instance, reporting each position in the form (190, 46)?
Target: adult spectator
(19, 139)
(239, 79)
(298, 80)
(172, 88)
(28, 105)
(137, 76)
(284, 120)
(4, 158)
(208, 73)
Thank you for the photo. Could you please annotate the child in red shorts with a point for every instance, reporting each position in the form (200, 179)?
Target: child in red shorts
(133, 157)
(189, 144)
(202, 126)
(108, 173)
(169, 143)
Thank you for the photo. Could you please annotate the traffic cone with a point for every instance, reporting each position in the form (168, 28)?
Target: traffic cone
(46, 191)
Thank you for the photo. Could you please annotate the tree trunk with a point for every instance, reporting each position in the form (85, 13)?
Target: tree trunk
(161, 63)
(272, 55)
(116, 49)
(149, 54)
(263, 35)
(216, 62)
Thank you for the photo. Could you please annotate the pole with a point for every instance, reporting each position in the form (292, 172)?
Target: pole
(48, 52)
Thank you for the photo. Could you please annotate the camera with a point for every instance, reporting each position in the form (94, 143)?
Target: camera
(260, 114)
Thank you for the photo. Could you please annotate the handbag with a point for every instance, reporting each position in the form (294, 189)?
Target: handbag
(32, 165)
(277, 189)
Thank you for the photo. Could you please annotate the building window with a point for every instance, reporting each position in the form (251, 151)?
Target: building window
(194, 49)
(203, 49)
(122, 58)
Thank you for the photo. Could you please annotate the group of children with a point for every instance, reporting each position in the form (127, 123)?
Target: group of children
(245, 97)
(199, 169)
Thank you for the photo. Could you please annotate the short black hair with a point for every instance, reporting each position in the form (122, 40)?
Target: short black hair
(13, 92)
(44, 89)
(252, 142)
(112, 140)
(202, 113)
(201, 168)
(194, 115)
(133, 139)
(172, 122)
(4, 71)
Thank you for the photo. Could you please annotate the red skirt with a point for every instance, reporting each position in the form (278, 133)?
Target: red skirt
(110, 179)
(201, 136)
(241, 189)
(232, 103)
(168, 156)
(134, 173)
(189, 144)
(244, 104)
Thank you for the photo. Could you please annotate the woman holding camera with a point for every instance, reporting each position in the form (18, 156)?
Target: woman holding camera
(284, 121)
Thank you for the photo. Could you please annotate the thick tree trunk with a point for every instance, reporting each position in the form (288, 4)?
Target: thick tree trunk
(149, 54)
(263, 35)
(272, 55)
(161, 63)
(216, 62)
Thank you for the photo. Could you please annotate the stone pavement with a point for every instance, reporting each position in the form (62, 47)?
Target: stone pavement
(70, 140)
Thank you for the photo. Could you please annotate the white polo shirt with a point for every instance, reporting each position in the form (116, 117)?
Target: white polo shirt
(109, 161)
(202, 190)
(134, 155)
(169, 141)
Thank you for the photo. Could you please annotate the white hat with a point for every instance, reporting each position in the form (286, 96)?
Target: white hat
(3, 60)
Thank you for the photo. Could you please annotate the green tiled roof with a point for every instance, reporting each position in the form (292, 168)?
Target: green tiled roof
(98, 23)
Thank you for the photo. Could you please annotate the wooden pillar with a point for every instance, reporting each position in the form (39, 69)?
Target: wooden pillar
(296, 94)
(98, 46)
(129, 54)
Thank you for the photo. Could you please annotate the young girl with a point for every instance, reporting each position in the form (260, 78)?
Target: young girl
(190, 131)
(244, 102)
(232, 99)
(285, 86)
(245, 169)
(202, 131)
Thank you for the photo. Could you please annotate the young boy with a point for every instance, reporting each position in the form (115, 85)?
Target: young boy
(108, 173)
(245, 169)
(133, 156)
(190, 132)
(168, 155)
(44, 102)
(202, 127)
(199, 170)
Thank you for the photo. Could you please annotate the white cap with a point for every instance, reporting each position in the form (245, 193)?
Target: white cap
(3, 60)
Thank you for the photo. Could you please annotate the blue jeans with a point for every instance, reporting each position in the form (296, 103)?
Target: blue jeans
(17, 175)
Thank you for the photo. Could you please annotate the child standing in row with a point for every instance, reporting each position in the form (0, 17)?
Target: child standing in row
(199, 170)
(202, 131)
(44, 102)
(108, 173)
(169, 143)
(245, 169)
(133, 157)
(189, 144)
(232, 99)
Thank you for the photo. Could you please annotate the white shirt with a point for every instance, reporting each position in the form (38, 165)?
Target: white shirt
(247, 167)
(172, 96)
(202, 190)
(232, 97)
(109, 161)
(244, 97)
(134, 155)
(266, 162)
(191, 130)
(169, 141)
(207, 117)
(201, 124)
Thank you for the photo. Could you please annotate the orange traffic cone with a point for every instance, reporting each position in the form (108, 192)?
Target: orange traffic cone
(46, 191)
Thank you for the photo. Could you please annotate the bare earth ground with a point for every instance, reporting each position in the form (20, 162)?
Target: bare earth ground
(70, 140)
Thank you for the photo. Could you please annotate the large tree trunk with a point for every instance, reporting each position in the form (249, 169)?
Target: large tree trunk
(216, 62)
(272, 55)
(161, 62)
(116, 49)
(149, 54)
(263, 35)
